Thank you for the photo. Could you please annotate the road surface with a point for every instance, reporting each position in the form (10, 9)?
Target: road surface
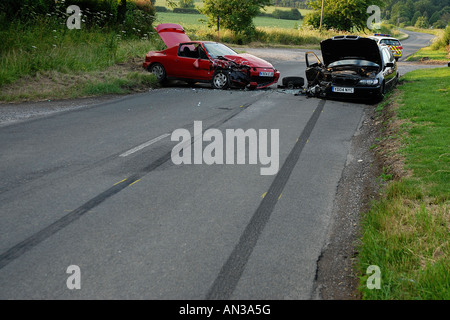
(97, 188)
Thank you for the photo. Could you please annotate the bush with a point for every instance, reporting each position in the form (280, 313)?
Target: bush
(185, 10)
(443, 41)
(138, 19)
(421, 22)
(25, 10)
(292, 14)
(161, 9)
(439, 24)
(97, 13)
(312, 19)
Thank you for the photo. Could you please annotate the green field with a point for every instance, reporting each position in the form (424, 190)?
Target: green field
(199, 4)
(190, 21)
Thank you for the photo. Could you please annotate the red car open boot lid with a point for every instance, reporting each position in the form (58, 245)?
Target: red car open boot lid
(172, 34)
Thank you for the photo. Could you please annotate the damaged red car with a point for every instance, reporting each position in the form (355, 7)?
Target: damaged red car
(207, 62)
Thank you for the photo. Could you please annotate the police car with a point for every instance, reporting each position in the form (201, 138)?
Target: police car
(392, 43)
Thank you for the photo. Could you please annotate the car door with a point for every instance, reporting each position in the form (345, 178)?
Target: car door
(314, 69)
(192, 62)
(389, 66)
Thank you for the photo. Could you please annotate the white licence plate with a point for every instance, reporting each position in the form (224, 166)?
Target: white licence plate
(343, 90)
(266, 74)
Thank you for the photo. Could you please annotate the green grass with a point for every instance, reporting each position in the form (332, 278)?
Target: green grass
(118, 85)
(43, 47)
(407, 231)
(268, 9)
(192, 21)
(439, 49)
(70, 62)
(431, 54)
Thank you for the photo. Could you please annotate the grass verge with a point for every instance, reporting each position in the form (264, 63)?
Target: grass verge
(48, 61)
(438, 51)
(406, 233)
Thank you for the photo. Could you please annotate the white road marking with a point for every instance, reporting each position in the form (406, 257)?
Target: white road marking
(144, 145)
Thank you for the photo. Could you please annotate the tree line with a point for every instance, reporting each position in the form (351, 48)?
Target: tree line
(421, 13)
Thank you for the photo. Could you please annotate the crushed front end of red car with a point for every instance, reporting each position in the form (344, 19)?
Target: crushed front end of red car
(245, 75)
(206, 61)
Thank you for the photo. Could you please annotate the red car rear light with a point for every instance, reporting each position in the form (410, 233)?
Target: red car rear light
(401, 48)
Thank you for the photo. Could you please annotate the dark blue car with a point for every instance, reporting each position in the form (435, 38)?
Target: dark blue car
(353, 68)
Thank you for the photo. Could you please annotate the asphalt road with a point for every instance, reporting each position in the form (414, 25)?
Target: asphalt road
(97, 188)
(414, 42)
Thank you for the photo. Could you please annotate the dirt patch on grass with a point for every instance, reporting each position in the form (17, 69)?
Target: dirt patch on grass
(429, 61)
(388, 146)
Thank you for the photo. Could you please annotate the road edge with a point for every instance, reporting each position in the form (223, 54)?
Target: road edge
(336, 274)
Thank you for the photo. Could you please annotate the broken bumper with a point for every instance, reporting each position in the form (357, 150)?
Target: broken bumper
(359, 92)
(263, 77)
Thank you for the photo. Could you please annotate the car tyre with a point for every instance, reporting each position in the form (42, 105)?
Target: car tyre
(379, 97)
(158, 70)
(293, 82)
(220, 80)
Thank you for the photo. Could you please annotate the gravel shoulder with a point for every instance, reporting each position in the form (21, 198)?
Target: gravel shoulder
(337, 277)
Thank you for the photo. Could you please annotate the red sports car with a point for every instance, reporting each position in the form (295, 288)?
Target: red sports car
(206, 61)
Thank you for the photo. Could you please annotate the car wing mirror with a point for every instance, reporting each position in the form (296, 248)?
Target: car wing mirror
(389, 65)
(197, 64)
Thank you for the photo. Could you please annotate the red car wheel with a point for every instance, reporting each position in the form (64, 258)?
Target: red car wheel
(158, 70)
(220, 80)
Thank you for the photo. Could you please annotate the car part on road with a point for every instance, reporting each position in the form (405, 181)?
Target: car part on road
(293, 82)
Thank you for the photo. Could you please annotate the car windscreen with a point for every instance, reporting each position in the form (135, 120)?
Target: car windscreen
(217, 50)
(390, 42)
(353, 62)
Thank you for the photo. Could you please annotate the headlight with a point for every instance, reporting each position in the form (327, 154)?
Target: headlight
(372, 82)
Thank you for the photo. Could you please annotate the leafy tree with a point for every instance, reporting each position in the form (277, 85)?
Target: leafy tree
(292, 14)
(439, 24)
(435, 17)
(236, 15)
(422, 22)
(409, 9)
(399, 13)
(423, 5)
(186, 4)
(416, 16)
(344, 15)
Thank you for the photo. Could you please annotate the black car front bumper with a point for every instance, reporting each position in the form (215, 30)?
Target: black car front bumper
(359, 92)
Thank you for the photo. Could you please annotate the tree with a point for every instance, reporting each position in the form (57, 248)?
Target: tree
(342, 15)
(121, 11)
(186, 4)
(236, 15)
(439, 24)
(416, 16)
(421, 22)
(435, 17)
(399, 13)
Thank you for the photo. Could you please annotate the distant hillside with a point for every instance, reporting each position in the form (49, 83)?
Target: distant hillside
(419, 13)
